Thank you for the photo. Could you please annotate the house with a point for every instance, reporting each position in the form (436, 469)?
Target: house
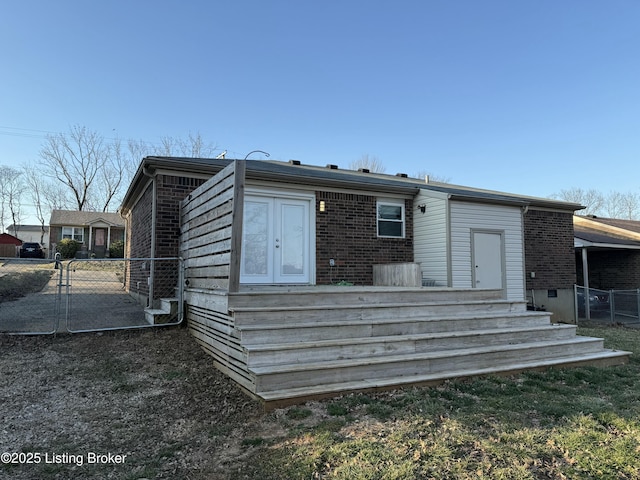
(31, 233)
(9, 245)
(301, 280)
(96, 231)
(607, 252)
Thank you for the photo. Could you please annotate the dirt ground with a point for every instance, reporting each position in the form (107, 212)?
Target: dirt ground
(131, 404)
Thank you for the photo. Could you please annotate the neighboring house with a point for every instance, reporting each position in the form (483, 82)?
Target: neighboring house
(31, 233)
(607, 253)
(95, 231)
(260, 239)
(9, 245)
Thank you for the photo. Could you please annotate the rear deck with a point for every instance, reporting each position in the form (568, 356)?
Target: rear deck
(287, 344)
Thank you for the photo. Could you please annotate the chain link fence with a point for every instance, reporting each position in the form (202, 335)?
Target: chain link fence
(612, 307)
(29, 300)
(43, 297)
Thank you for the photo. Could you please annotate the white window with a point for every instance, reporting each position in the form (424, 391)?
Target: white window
(390, 219)
(75, 233)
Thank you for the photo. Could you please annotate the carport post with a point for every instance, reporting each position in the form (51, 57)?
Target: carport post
(585, 277)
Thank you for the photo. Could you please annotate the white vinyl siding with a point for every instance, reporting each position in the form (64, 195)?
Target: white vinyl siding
(466, 216)
(430, 237)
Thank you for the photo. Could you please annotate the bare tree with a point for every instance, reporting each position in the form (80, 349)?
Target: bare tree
(371, 163)
(591, 199)
(75, 159)
(11, 192)
(622, 205)
(88, 172)
(36, 186)
(614, 205)
(112, 178)
(194, 147)
(56, 196)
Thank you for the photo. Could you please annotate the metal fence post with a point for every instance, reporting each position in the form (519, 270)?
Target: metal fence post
(180, 289)
(575, 302)
(612, 306)
(58, 266)
(68, 313)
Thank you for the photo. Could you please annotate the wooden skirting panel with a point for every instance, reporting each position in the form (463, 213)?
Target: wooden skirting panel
(214, 333)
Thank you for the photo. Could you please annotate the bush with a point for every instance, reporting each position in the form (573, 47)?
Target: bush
(116, 249)
(68, 247)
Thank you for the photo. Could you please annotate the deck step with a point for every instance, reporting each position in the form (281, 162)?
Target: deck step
(277, 377)
(347, 312)
(263, 297)
(290, 395)
(346, 348)
(386, 326)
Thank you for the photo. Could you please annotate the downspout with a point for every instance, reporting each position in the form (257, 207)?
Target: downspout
(524, 211)
(152, 253)
(448, 235)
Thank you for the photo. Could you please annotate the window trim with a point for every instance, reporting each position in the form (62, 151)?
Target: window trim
(73, 235)
(402, 221)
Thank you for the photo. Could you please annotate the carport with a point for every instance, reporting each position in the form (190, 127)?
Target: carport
(607, 255)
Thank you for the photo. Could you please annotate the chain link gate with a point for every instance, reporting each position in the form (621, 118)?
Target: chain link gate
(85, 295)
(29, 300)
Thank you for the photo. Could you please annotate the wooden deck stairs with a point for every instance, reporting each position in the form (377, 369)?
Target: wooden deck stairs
(287, 345)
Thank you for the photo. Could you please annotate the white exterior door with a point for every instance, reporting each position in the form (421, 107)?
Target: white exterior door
(488, 260)
(276, 238)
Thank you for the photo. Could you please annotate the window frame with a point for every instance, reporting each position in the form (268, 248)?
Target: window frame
(401, 221)
(73, 235)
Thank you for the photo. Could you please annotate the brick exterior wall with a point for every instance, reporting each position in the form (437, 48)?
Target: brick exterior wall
(608, 270)
(170, 191)
(138, 244)
(347, 232)
(549, 251)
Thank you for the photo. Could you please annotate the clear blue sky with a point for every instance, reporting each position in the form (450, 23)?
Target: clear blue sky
(528, 96)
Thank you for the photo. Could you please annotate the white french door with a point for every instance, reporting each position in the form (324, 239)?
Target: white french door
(275, 240)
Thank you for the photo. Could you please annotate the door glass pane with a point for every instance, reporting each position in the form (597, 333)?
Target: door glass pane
(292, 240)
(254, 238)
